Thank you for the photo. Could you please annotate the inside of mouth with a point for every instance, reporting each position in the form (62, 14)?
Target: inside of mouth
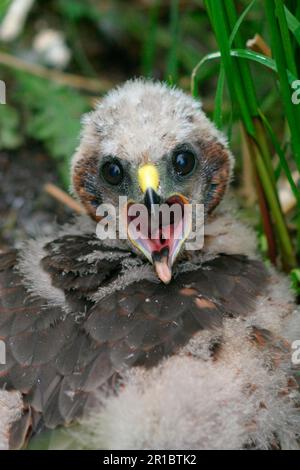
(161, 240)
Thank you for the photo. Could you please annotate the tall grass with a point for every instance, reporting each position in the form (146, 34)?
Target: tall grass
(260, 137)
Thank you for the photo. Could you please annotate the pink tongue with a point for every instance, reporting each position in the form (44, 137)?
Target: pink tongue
(162, 270)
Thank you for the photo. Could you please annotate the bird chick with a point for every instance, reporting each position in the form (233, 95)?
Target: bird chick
(193, 354)
(153, 145)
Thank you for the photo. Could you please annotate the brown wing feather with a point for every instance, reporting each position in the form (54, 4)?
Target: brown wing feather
(58, 361)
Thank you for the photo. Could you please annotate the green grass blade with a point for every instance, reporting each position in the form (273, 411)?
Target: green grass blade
(194, 75)
(261, 59)
(284, 239)
(217, 117)
(291, 111)
(4, 4)
(283, 163)
(149, 47)
(241, 54)
(243, 67)
(172, 60)
(224, 18)
(285, 36)
(234, 80)
(293, 24)
(239, 21)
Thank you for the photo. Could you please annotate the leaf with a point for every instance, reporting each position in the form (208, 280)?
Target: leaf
(239, 22)
(282, 160)
(293, 24)
(219, 99)
(4, 4)
(221, 80)
(172, 59)
(150, 41)
(52, 116)
(76, 10)
(241, 54)
(295, 276)
(10, 133)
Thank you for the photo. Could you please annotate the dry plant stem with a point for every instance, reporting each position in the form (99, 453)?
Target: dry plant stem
(263, 205)
(257, 44)
(267, 222)
(272, 207)
(248, 189)
(265, 151)
(75, 81)
(64, 198)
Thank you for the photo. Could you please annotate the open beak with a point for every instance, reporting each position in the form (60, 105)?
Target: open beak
(165, 231)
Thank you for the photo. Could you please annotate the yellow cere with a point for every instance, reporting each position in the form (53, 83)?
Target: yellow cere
(148, 177)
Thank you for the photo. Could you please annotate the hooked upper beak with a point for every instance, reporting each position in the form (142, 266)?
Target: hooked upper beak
(160, 243)
(151, 200)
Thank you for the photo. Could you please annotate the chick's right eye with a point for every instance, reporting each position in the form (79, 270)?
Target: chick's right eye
(184, 162)
(112, 172)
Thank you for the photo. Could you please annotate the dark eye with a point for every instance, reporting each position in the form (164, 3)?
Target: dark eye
(183, 162)
(112, 172)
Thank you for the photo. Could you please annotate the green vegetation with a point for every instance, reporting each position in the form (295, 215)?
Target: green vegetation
(200, 46)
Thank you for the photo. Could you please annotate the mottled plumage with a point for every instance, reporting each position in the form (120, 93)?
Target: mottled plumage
(94, 336)
(58, 358)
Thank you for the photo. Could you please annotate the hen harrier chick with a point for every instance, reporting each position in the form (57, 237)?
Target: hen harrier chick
(154, 346)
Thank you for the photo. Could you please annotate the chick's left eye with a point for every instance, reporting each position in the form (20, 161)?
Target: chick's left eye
(112, 172)
(184, 162)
